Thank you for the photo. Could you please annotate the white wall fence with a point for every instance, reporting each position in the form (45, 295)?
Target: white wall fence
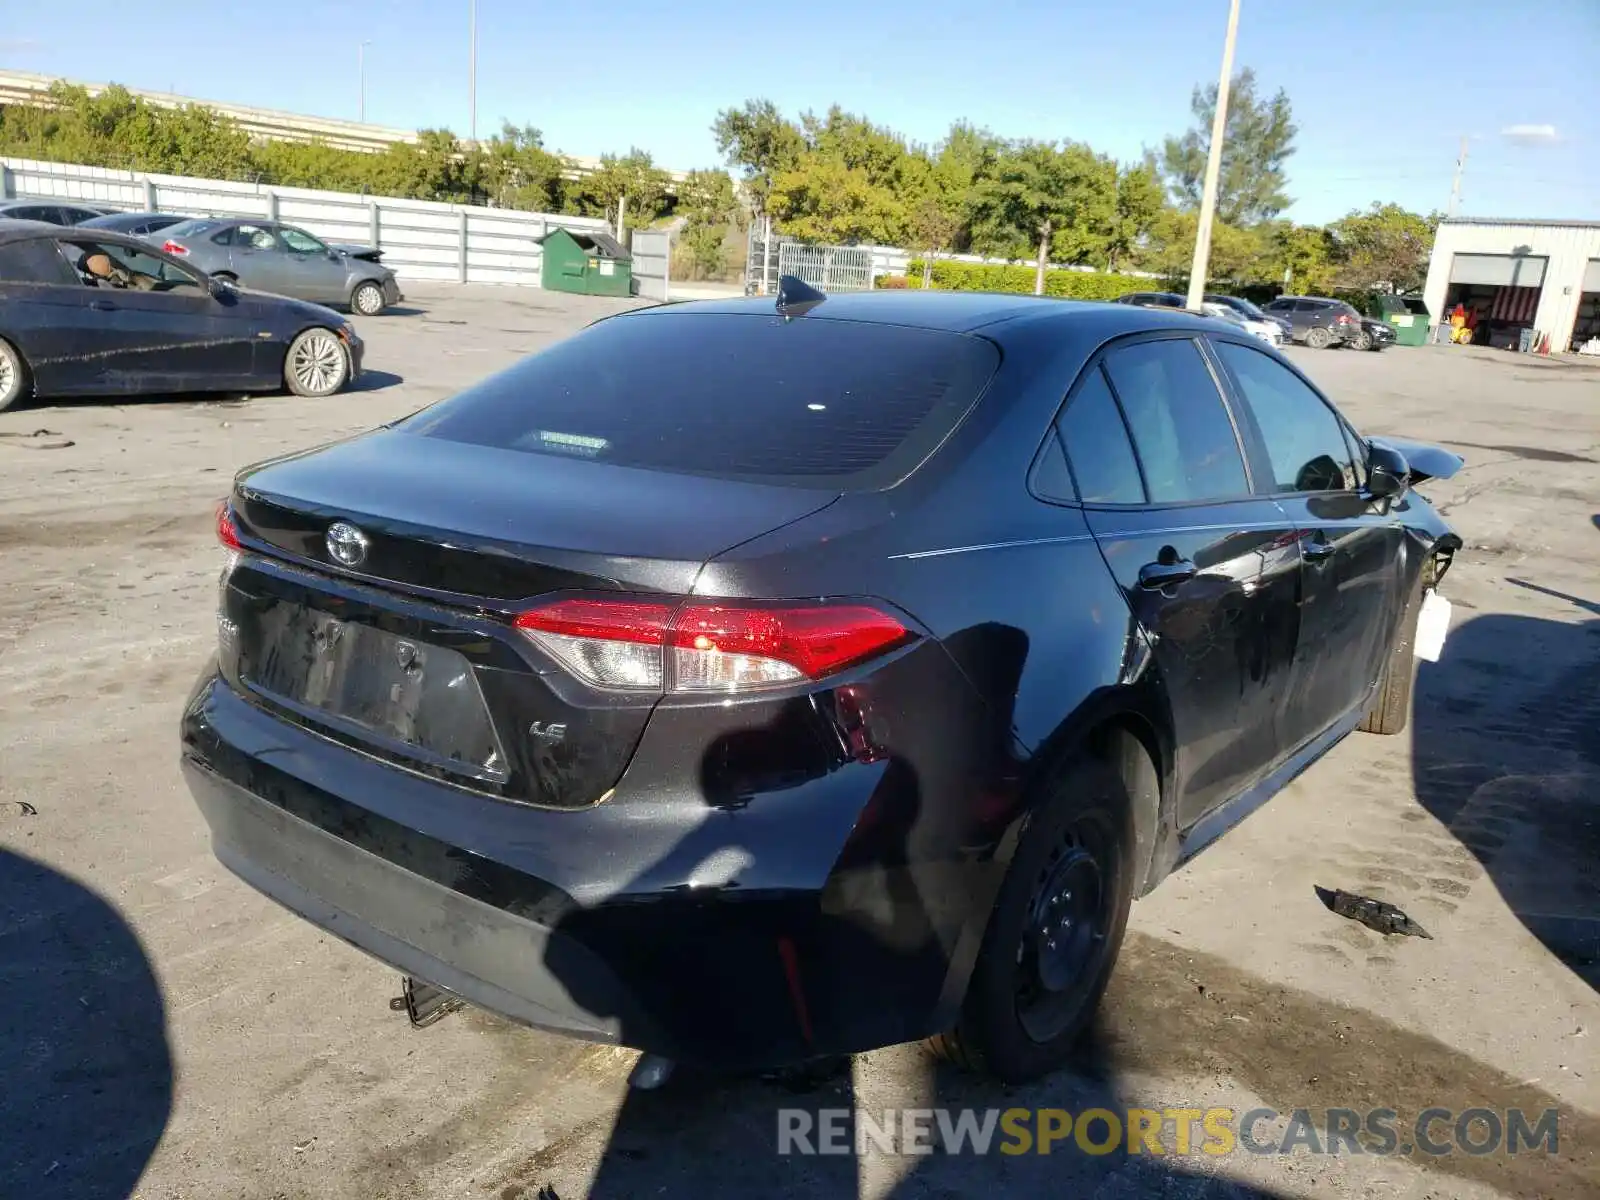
(420, 239)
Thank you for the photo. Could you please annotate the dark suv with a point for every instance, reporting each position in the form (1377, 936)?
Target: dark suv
(1154, 299)
(1318, 321)
(844, 694)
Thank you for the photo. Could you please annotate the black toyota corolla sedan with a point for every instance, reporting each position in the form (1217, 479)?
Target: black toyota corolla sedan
(748, 686)
(94, 312)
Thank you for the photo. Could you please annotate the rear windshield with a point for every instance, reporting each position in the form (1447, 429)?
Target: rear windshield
(810, 402)
(189, 228)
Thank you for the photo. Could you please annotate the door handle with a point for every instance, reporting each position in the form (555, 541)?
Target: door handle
(1156, 575)
(1317, 551)
(103, 305)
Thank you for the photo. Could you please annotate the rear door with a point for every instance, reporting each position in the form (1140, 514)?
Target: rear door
(1352, 576)
(1209, 568)
(313, 271)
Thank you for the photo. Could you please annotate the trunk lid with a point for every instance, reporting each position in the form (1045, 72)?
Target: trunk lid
(409, 653)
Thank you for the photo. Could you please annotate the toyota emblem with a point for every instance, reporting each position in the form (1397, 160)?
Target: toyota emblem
(346, 544)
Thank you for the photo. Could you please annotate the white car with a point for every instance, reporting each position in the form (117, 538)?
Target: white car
(1268, 331)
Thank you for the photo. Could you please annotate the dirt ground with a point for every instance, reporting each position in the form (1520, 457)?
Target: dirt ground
(165, 1032)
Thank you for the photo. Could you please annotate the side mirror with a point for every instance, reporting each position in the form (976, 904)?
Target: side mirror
(1388, 472)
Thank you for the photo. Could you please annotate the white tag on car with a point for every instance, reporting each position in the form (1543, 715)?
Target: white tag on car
(1433, 623)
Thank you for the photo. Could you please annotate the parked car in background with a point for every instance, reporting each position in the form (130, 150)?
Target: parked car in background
(139, 224)
(269, 256)
(1268, 331)
(556, 700)
(1317, 321)
(52, 212)
(1374, 335)
(1154, 299)
(95, 313)
(1250, 311)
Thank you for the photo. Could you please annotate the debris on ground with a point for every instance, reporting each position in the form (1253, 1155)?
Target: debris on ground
(1377, 915)
(18, 808)
(39, 439)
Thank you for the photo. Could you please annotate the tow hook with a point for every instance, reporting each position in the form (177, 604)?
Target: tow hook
(423, 1003)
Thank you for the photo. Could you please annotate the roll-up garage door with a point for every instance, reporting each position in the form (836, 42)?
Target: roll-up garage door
(1591, 276)
(1498, 270)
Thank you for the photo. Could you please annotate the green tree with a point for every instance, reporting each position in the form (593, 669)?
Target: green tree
(709, 210)
(623, 184)
(518, 172)
(1140, 201)
(1384, 245)
(1300, 258)
(761, 143)
(1038, 197)
(1257, 143)
(939, 218)
(823, 200)
(1236, 254)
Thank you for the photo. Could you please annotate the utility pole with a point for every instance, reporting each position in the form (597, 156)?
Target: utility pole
(472, 70)
(1208, 198)
(1455, 187)
(361, 60)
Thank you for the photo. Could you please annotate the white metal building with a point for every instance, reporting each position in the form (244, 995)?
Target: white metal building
(1517, 275)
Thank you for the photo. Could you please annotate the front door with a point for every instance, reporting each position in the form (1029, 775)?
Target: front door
(314, 272)
(154, 325)
(1209, 569)
(1351, 577)
(259, 259)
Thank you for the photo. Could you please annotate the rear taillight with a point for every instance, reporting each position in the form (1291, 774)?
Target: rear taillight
(172, 247)
(705, 645)
(227, 531)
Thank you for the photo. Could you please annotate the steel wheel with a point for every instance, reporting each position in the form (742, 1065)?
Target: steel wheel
(317, 364)
(1363, 340)
(1319, 339)
(368, 300)
(11, 378)
(1060, 955)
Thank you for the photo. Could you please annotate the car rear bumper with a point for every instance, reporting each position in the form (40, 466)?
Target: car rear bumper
(391, 291)
(736, 939)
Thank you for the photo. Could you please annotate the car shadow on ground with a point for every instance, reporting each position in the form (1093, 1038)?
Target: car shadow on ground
(1172, 1013)
(375, 381)
(403, 310)
(1506, 753)
(88, 1071)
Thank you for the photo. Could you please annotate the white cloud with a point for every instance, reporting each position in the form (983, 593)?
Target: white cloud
(1529, 135)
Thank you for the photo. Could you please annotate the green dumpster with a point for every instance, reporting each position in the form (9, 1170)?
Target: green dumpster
(587, 262)
(1409, 316)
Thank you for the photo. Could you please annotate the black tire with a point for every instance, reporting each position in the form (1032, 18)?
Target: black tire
(1013, 1024)
(1391, 705)
(367, 299)
(13, 375)
(1363, 341)
(1319, 338)
(316, 363)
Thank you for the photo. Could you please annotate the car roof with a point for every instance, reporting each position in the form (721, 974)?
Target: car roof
(13, 230)
(954, 312)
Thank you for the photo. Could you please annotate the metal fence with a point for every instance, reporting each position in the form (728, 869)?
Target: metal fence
(420, 239)
(652, 259)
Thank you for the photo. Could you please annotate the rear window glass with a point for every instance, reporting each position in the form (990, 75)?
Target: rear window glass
(34, 261)
(809, 402)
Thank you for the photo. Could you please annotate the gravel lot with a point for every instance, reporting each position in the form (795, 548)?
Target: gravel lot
(168, 1033)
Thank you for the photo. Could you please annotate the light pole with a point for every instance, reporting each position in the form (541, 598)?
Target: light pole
(472, 70)
(1208, 198)
(361, 60)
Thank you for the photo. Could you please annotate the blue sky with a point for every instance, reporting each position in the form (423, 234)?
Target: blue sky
(1382, 92)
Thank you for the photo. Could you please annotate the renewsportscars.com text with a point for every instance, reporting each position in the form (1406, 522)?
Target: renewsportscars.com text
(1164, 1131)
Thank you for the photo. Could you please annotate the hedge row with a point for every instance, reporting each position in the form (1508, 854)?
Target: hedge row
(988, 277)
